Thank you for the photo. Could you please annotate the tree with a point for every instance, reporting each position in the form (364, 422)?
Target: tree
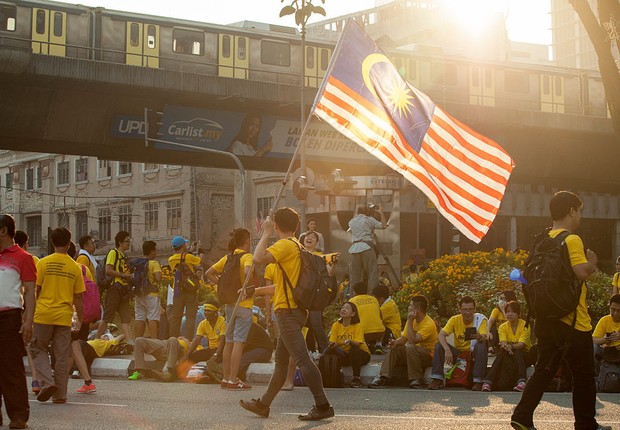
(603, 32)
(302, 9)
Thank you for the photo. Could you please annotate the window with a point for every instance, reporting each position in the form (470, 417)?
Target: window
(33, 228)
(124, 168)
(39, 183)
(151, 36)
(81, 224)
(134, 34)
(104, 169)
(226, 46)
(41, 21)
(557, 86)
(241, 48)
(62, 173)
(275, 53)
(444, 74)
(263, 206)
(8, 15)
(57, 24)
(546, 85)
(147, 167)
(81, 170)
(30, 178)
(324, 59)
(173, 216)
(124, 218)
(9, 181)
(105, 224)
(151, 216)
(63, 220)
(310, 57)
(517, 82)
(188, 42)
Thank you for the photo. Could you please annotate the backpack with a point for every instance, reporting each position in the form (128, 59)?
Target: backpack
(229, 282)
(315, 288)
(184, 279)
(91, 302)
(105, 281)
(609, 378)
(552, 290)
(330, 365)
(140, 276)
(460, 375)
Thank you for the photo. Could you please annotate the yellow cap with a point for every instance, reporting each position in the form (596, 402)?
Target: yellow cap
(210, 307)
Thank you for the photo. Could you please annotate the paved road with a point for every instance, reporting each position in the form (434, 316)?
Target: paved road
(149, 405)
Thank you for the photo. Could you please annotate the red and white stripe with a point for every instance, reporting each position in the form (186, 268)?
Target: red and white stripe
(463, 173)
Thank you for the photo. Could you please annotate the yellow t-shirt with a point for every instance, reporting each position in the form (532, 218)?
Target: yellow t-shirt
(246, 261)
(212, 333)
(116, 259)
(607, 325)
(285, 252)
(35, 259)
(89, 275)
(615, 279)
(154, 267)
(498, 316)
(521, 335)
(59, 277)
(339, 333)
(102, 346)
(369, 313)
(83, 259)
(391, 317)
(190, 259)
(270, 271)
(427, 329)
(577, 256)
(457, 326)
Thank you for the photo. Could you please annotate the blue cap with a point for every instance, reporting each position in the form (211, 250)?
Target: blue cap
(178, 241)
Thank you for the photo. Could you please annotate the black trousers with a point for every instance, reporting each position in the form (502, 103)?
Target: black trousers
(13, 385)
(552, 337)
(187, 302)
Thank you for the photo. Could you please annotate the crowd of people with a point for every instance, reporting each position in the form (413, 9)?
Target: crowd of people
(45, 311)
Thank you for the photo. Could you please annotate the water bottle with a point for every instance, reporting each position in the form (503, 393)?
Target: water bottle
(74, 322)
(451, 370)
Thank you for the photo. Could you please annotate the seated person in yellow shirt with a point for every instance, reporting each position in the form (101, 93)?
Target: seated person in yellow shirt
(498, 317)
(346, 339)
(212, 328)
(389, 313)
(470, 334)
(513, 358)
(370, 317)
(413, 349)
(606, 335)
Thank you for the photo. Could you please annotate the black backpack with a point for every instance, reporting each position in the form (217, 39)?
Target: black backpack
(229, 283)
(330, 366)
(315, 288)
(140, 276)
(105, 281)
(552, 290)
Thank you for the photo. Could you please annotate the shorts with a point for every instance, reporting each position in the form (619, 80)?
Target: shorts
(147, 308)
(88, 352)
(243, 322)
(82, 334)
(114, 302)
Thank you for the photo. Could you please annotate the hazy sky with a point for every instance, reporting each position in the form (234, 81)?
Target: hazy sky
(527, 20)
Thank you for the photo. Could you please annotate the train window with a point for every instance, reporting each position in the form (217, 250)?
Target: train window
(324, 59)
(558, 86)
(7, 17)
(488, 78)
(275, 53)
(412, 70)
(546, 85)
(517, 82)
(226, 46)
(151, 36)
(310, 57)
(188, 42)
(134, 34)
(241, 51)
(57, 24)
(443, 73)
(475, 77)
(40, 25)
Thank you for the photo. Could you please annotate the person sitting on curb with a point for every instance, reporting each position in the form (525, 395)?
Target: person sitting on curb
(170, 350)
(606, 335)
(346, 339)
(389, 313)
(514, 344)
(370, 316)
(470, 334)
(212, 328)
(414, 348)
(498, 317)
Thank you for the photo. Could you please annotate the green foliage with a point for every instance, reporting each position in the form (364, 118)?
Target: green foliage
(599, 292)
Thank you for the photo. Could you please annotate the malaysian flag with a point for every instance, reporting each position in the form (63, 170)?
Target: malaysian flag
(462, 172)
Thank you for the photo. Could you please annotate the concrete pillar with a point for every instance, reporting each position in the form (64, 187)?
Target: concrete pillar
(615, 243)
(512, 239)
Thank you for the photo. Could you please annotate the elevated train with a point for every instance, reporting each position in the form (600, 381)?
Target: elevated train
(264, 52)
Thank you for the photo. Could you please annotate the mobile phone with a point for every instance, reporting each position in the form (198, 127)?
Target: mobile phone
(330, 258)
(470, 332)
(608, 334)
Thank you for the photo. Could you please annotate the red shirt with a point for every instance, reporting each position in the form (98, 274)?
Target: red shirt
(16, 267)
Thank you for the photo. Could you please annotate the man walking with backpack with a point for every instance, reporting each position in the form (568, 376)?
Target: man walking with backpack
(291, 319)
(567, 337)
(183, 264)
(146, 278)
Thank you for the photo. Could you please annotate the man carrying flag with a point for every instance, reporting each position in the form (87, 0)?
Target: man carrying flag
(463, 173)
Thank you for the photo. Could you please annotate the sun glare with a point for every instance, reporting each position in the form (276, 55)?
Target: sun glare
(476, 16)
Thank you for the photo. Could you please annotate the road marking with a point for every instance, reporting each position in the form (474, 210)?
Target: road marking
(86, 404)
(459, 418)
